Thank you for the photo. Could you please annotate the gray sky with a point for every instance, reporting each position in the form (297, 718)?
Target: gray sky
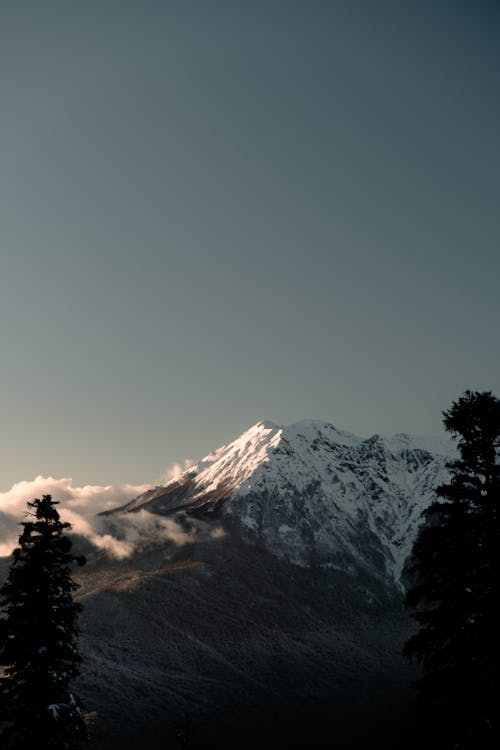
(217, 212)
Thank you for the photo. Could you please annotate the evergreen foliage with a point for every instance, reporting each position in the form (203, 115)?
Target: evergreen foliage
(38, 638)
(455, 568)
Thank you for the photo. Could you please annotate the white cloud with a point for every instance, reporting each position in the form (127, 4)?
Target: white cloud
(118, 535)
(78, 506)
(175, 471)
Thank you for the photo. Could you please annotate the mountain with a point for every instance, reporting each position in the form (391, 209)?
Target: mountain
(280, 622)
(314, 494)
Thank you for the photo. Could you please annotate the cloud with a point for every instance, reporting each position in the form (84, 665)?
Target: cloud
(118, 535)
(175, 471)
(130, 531)
(7, 547)
(79, 505)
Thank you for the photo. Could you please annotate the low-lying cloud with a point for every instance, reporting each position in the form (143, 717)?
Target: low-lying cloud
(175, 471)
(117, 535)
(78, 506)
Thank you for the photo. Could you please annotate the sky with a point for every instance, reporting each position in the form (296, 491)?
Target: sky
(213, 213)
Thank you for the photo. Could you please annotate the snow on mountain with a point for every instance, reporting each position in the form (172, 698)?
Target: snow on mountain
(279, 624)
(314, 494)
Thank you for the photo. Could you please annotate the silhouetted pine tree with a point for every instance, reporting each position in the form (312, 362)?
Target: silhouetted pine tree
(456, 569)
(38, 638)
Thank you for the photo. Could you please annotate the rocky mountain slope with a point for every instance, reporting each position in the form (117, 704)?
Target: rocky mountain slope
(278, 622)
(221, 644)
(315, 495)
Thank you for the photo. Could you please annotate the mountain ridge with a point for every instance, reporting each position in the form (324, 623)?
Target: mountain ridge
(288, 626)
(313, 493)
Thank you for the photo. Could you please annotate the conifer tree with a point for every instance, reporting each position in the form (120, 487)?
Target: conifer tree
(38, 638)
(456, 572)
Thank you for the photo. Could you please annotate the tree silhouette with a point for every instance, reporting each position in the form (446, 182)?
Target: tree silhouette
(38, 638)
(456, 572)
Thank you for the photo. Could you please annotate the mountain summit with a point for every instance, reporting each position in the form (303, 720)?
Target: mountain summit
(287, 629)
(314, 494)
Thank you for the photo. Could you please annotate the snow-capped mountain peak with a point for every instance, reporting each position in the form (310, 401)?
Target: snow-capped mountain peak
(236, 462)
(316, 494)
